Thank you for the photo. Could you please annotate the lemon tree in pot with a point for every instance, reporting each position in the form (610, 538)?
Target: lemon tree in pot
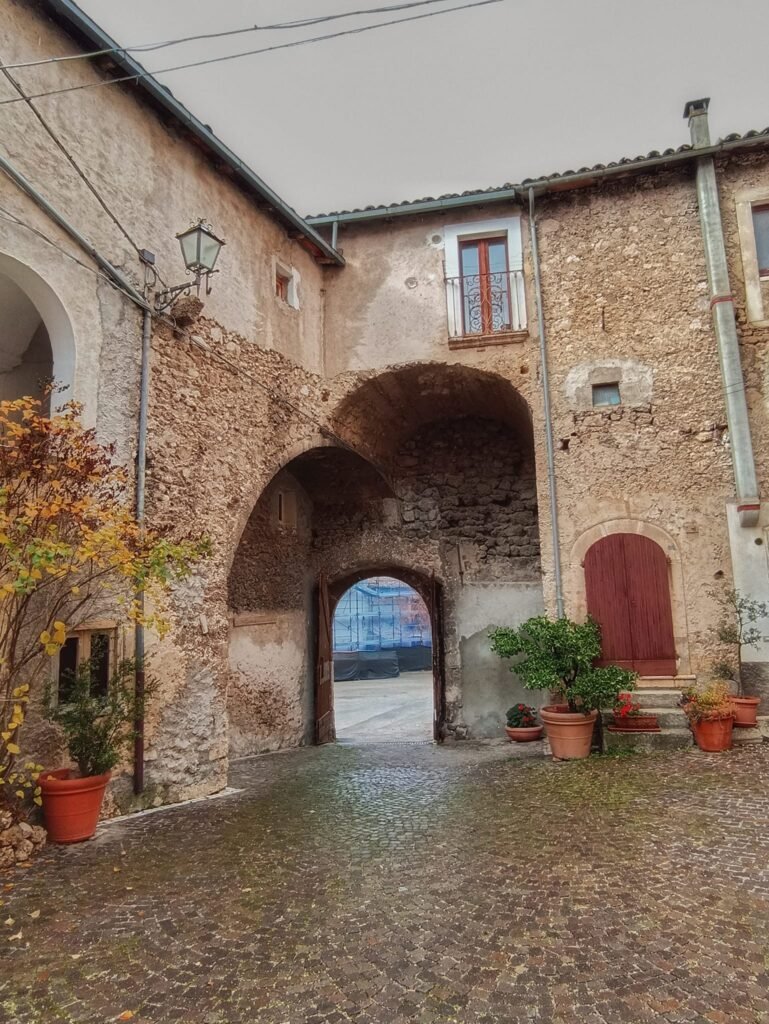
(558, 655)
(97, 728)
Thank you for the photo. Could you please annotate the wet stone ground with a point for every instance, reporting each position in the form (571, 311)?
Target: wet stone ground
(407, 883)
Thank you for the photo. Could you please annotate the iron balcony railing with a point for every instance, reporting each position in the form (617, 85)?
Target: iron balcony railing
(484, 304)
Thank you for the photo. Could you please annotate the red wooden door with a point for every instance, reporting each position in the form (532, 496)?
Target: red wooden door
(325, 732)
(626, 581)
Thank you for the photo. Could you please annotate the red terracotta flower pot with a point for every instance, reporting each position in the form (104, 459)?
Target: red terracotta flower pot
(71, 806)
(570, 734)
(714, 735)
(635, 723)
(524, 734)
(745, 710)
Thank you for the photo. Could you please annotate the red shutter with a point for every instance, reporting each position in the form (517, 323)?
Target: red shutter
(628, 593)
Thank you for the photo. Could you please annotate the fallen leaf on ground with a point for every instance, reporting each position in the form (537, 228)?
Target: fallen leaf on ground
(126, 1015)
(35, 914)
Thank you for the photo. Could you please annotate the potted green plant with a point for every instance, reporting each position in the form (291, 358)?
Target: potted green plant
(738, 629)
(96, 728)
(522, 724)
(559, 655)
(629, 717)
(711, 715)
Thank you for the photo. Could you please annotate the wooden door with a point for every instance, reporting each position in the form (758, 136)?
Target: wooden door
(628, 593)
(325, 731)
(436, 628)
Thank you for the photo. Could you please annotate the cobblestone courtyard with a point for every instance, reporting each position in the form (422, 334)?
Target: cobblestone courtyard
(408, 883)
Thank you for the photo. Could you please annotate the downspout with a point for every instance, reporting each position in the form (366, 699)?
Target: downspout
(549, 448)
(141, 487)
(724, 322)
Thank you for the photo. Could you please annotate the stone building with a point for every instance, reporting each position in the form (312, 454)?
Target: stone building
(511, 399)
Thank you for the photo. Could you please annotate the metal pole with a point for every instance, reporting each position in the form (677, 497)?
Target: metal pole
(724, 321)
(556, 540)
(141, 484)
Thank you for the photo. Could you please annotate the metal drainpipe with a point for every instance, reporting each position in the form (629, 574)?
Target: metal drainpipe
(724, 322)
(141, 483)
(556, 540)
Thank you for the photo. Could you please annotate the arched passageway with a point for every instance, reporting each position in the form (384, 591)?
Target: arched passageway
(383, 684)
(36, 341)
(433, 482)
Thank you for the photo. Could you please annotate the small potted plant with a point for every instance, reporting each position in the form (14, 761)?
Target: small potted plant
(522, 724)
(628, 716)
(711, 715)
(97, 728)
(559, 655)
(739, 629)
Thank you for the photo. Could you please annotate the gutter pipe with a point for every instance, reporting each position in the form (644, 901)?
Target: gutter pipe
(551, 483)
(724, 321)
(141, 489)
(552, 184)
(58, 218)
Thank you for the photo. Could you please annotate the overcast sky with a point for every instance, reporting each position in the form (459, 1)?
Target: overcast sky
(462, 100)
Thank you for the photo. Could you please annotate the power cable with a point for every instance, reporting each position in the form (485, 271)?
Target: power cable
(78, 169)
(149, 47)
(187, 335)
(250, 53)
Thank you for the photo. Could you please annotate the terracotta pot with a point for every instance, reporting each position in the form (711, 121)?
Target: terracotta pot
(714, 735)
(71, 807)
(635, 723)
(570, 734)
(524, 733)
(745, 709)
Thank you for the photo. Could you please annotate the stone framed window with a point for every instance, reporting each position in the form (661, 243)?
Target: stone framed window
(286, 280)
(483, 267)
(97, 643)
(753, 228)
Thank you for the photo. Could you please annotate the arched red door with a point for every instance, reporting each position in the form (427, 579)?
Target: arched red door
(628, 593)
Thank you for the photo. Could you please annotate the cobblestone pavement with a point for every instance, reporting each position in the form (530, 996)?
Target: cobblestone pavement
(395, 884)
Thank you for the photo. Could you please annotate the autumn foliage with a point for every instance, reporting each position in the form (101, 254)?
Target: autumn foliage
(69, 544)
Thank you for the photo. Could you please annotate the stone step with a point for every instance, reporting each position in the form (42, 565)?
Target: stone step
(746, 736)
(662, 697)
(667, 739)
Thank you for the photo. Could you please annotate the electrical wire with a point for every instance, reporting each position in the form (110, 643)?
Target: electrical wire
(250, 53)
(149, 47)
(187, 335)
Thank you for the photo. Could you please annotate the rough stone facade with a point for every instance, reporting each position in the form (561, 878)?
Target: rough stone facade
(399, 450)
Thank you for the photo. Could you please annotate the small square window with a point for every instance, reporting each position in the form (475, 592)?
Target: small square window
(96, 647)
(606, 394)
(761, 231)
(281, 285)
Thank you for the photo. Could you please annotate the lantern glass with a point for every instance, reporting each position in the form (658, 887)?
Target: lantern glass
(200, 248)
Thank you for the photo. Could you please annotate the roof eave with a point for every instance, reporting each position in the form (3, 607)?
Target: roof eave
(71, 17)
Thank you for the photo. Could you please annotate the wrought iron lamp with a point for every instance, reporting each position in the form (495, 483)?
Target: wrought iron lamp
(200, 251)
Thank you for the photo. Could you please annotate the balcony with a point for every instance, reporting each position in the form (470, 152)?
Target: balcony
(485, 308)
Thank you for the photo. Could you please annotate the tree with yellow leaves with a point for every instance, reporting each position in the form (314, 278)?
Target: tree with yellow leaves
(69, 541)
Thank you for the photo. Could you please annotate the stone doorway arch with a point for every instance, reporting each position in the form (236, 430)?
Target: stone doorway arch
(327, 596)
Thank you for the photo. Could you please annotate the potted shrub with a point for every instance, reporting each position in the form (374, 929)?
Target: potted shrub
(558, 655)
(711, 715)
(97, 728)
(628, 716)
(738, 628)
(522, 724)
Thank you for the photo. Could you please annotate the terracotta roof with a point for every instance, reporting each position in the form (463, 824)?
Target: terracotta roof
(499, 192)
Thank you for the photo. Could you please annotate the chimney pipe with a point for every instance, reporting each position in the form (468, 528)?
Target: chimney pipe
(724, 322)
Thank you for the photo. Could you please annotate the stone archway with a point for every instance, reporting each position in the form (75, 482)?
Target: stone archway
(37, 341)
(427, 468)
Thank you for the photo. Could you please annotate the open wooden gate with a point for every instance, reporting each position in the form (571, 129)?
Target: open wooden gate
(628, 593)
(436, 625)
(325, 731)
